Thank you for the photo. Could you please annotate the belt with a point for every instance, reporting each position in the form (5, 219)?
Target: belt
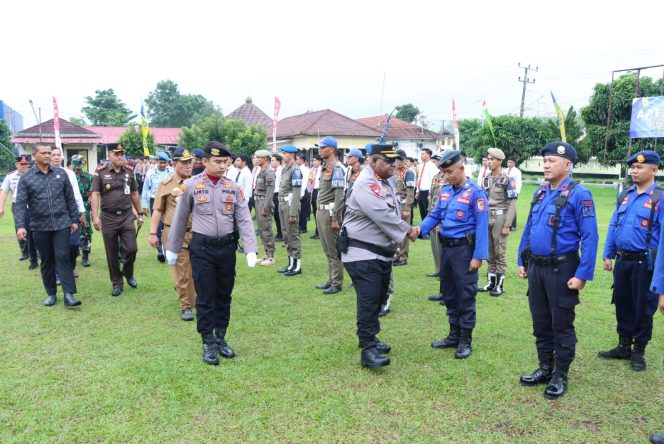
(497, 212)
(259, 197)
(226, 240)
(116, 212)
(632, 255)
(371, 247)
(282, 199)
(544, 261)
(324, 207)
(455, 242)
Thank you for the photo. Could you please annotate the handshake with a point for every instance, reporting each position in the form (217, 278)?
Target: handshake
(413, 233)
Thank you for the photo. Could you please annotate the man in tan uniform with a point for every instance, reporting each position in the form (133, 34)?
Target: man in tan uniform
(263, 193)
(502, 208)
(405, 179)
(290, 190)
(438, 182)
(165, 201)
(329, 214)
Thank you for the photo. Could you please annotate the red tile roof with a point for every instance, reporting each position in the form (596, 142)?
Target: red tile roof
(399, 129)
(251, 115)
(321, 123)
(111, 134)
(66, 129)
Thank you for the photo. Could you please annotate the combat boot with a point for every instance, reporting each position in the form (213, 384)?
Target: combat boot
(287, 267)
(543, 374)
(209, 349)
(85, 260)
(638, 360)
(490, 285)
(268, 260)
(222, 347)
(622, 351)
(558, 384)
(296, 269)
(452, 339)
(498, 288)
(385, 308)
(372, 358)
(50, 300)
(465, 340)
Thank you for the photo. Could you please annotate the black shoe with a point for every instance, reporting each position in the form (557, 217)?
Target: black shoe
(543, 373)
(51, 299)
(657, 438)
(33, 265)
(399, 263)
(161, 258)
(303, 231)
(132, 282)
(223, 348)
(210, 350)
(295, 269)
(638, 361)
(622, 351)
(23, 257)
(451, 341)
(332, 289)
(383, 311)
(288, 267)
(240, 249)
(464, 349)
(315, 236)
(372, 358)
(85, 260)
(323, 286)
(436, 297)
(382, 347)
(558, 384)
(70, 301)
(187, 315)
(433, 275)
(278, 239)
(117, 291)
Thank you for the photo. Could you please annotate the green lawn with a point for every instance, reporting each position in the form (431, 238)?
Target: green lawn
(127, 369)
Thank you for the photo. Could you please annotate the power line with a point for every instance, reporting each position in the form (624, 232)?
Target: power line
(525, 81)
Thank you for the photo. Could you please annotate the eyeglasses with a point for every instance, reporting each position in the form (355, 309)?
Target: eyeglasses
(390, 160)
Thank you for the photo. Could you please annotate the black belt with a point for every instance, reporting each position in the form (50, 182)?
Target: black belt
(632, 255)
(544, 261)
(226, 240)
(116, 212)
(450, 242)
(371, 247)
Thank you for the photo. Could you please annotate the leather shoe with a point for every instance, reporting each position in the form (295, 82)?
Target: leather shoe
(323, 286)
(187, 315)
(382, 347)
(400, 263)
(23, 257)
(383, 311)
(657, 438)
(33, 265)
(70, 301)
(132, 282)
(51, 299)
(117, 291)
(372, 358)
(161, 258)
(332, 289)
(436, 297)
(433, 275)
(315, 236)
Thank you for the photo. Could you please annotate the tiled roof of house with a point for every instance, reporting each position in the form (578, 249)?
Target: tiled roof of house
(251, 114)
(399, 129)
(111, 134)
(66, 129)
(322, 123)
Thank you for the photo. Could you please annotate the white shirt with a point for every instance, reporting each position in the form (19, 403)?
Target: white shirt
(305, 178)
(77, 192)
(10, 183)
(482, 173)
(427, 171)
(516, 174)
(277, 179)
(316, 177)
(231, 173)
(245, 181)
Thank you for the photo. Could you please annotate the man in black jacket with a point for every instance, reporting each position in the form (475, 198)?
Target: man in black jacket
(45, 191)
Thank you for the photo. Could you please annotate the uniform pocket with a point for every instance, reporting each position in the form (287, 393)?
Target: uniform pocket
(204, 208)
(569, 300)
(652, 301)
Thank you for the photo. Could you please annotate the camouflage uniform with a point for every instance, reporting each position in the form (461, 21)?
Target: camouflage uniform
(85, 187)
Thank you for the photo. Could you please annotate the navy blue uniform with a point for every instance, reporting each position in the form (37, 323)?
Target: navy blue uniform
(463, 215)
(551, 302)
(626, 239)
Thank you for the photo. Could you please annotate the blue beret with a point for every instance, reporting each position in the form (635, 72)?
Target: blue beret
(197, 152)
(357, 153)
(327, 141)
(288, 149)
(449, 158)
(650, 157)
(162, 155)
(558, 148)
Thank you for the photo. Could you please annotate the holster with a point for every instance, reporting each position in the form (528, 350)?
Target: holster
(342, 242)
(525, 257)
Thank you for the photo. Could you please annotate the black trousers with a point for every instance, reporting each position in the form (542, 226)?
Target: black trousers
(552, 308)
(27, 246)
(213, 268)
(423, 203)
(305, 210)
(371, 280)
(275, 199)
(53, 247)
(314, 203)
(458, 285)
(635, 303)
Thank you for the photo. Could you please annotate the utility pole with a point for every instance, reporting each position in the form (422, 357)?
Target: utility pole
(525, 81)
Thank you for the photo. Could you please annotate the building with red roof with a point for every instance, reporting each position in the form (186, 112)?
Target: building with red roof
(409, 137)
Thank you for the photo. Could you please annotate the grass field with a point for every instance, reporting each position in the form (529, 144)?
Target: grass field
(127, 369)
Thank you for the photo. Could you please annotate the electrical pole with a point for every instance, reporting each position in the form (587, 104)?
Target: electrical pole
(525, 81)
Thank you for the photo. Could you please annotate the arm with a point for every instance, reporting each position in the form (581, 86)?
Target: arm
(610, 249)
(481, 210)
(77, 192)
(433, 219)
(3, 198)
(375, 207)
(154, 225)
(72, 204)
(270, 181)
(21, 207)
(180, 221)
(587, 223)
(244, 224)
(145, 195)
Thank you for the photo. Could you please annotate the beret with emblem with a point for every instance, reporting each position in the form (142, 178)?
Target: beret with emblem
(262, 153)
(558, 148)
(216, 149)
(197, 152)
(449, 158)
(647, 156)
(497, 153)
(181, 154)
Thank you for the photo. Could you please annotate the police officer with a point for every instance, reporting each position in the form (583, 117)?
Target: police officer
(462, 212)
(562, 216)
(355, 161)
(502, 210)
(633, 235)
(329, 213)
(372, 230)
(263, 193)
(437, 183)
(114, 192)
(152, 180)
(198, 168)
(218, 210)
(165, 202)
(290, 190)
(405, 186)
(84, 181)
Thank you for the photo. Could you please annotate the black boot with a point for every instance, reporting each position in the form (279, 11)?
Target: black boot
(452, 339)
(558, 384)
(50, 300)
(638, 361)
(85, 260)
(222, 347)
(498, 288)
(297, 269)
(209, 349)
(490, 284)
(622, 351)
(465, 340)
(70, 301)
(543, 374)
(287, 267)
(372, 358)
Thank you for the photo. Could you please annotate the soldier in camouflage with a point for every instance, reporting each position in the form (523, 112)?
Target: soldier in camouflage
(85, 187)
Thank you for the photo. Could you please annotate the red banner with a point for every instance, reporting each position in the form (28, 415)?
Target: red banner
(277, 106)
(456, 125)
(56, 124)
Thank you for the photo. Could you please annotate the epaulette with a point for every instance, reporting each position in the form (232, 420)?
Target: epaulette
(101, 167)
(129, 167)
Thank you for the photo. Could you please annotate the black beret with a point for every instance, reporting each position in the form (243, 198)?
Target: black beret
(562, 149)
(216, 149)
(449, 158)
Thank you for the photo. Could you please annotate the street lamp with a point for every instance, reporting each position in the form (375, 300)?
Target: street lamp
(37, 118)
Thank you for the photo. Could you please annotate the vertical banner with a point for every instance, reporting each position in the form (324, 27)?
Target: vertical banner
(456, 125)
(277, 106)
(487, 117)
(144, 131)
(56, 124)
(561, 117)
(383, 133)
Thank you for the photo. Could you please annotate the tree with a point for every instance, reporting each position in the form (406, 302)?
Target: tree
(78, 121)
(7, 157)
(105, 109)
(132, 141)
(407, 112)
(168, 108)
(596, 113)
(235, 134)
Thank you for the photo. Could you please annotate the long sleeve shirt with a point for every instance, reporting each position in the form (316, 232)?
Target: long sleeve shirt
(152, 181)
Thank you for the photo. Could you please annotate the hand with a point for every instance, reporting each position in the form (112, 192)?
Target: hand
(505, 232)
(153, 240)
(73, 227)
(406, 214)
(171, 257)
(522, 272)
(96, 222)
(661, 303)
(576, 284)
(475, 264)
(82, 220)
(335, 225)
(608, 265)
(251, 259)
(22, 233)
(146, 212)
(139, 222)
(413, 233)
(292, 219)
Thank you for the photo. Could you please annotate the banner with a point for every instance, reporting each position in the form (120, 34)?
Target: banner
(456, 125)
(144, 131)
(561, 117)
(647, 117)
(277, 107)
(56, 124)
(487, 117)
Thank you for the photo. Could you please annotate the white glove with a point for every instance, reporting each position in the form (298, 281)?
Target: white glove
(251, 260)
(171, 257)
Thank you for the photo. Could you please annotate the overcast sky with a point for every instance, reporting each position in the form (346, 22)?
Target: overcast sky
(343, 55)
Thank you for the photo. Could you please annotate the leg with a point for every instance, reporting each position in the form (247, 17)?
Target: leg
(44, 244)
(110, 234)
(423, 203)
(435, 250)
(277, 214)
(128, 239)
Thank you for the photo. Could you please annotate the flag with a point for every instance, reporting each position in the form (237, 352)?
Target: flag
(456, 125)
(561, 116)
(144, 131)
(277, 107)
(487, 117)
(383, 134)
(56, 124)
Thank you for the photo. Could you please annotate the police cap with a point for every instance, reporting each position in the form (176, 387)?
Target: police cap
(384, 149)
(198, 153)
(23, 160)
(647, 156)
(402, 154)
(118, 149)
(558, 148)
(216, 149)
(496, 153)
(449, 158)
(181, 154)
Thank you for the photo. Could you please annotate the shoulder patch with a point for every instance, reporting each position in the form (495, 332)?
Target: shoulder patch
(338, 177)
(296, 177)
(588, 208)
(375, 189)
(481, 205)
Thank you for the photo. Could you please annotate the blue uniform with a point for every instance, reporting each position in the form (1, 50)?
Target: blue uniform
(461, 212)
(551, 301)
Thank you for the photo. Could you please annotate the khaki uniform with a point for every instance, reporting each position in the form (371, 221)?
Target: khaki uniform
(165, 201)
(330, 207)
(290, 191)
(437, 183)
(406, 192)
(263, 193)
(502, 208)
